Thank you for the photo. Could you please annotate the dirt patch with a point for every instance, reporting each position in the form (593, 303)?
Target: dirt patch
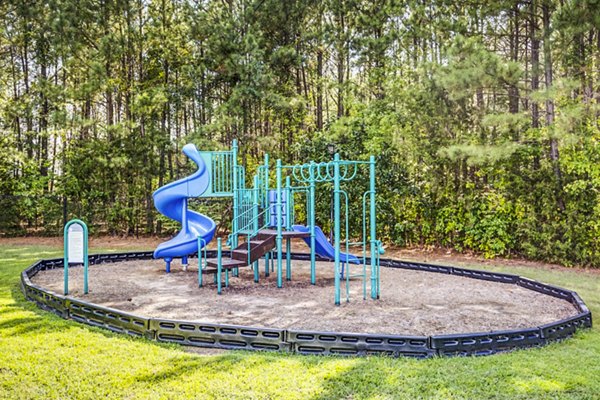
(417, 303)
(110, 242)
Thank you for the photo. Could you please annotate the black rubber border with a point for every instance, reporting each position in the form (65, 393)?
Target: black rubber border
(312, 342)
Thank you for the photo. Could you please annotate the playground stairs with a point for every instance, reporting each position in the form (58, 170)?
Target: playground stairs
(244, 254)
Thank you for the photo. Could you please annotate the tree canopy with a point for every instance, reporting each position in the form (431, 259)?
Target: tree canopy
(483, 116)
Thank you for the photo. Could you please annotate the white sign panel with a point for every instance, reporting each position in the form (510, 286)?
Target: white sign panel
(75, 242)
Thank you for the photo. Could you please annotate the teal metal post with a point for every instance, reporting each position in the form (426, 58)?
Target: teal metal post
(219, 265)
(267, 261)
(311, 222)
(373, 229)
(288, 226)
(267, 180)
(279, 233)
(255, 204)
(234, 224)
(379, 252)
(267, 205)
(336, 224)
(185, 228)
(255, 224)
(66, 255)
(199, 261)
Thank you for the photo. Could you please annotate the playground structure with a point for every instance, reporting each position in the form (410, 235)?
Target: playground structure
(264, 217)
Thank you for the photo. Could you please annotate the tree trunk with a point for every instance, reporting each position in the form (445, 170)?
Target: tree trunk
(28, 116)
(43, 121)
(107, 55)
(513, 90)
(341, 61)
(16, 120)
(554, 154)
(535, 66)
(320, 89)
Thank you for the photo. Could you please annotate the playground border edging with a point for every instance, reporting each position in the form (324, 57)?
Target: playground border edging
(227, 336)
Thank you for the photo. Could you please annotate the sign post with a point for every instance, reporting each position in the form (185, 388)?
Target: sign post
(76, 251)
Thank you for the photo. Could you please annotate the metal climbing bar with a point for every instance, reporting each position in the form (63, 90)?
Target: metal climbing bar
(373, 229)
(234, 168)
(311, 214)
(336, 225)
(346, 245)
(364, 240)
(325, 171)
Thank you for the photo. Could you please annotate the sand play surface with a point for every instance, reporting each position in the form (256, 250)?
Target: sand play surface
(416, 303)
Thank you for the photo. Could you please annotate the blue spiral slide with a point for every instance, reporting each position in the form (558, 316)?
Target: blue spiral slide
(171, 201)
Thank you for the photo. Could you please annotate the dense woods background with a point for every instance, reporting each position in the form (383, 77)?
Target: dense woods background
(483, 115)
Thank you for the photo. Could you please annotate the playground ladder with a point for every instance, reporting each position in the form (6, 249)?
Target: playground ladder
(246, 254)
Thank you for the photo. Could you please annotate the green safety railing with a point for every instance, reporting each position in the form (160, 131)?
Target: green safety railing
(263, 184)
(245, 210)
(225, 174)
(221, 165)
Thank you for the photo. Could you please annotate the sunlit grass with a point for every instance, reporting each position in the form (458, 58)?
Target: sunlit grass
(45, 357)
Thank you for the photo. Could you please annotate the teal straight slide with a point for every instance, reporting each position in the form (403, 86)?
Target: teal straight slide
(171, 201)
(323, 247)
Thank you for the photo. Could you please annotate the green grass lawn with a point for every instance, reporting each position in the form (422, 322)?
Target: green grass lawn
(43, 356)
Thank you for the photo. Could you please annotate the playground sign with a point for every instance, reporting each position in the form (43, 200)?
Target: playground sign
(75, 245)
(75, 251)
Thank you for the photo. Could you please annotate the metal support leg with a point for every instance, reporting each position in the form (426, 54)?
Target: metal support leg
(311, 223)
(373, 229)
(219, 265)
(200, 277)
(267, 262)
(288, 260)
(336, 225)
(279, 237)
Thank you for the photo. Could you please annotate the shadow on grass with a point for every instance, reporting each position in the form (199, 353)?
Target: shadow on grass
(20, 326)
(561, 370)
(10, 308)
(38, 320)
(189, 364)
